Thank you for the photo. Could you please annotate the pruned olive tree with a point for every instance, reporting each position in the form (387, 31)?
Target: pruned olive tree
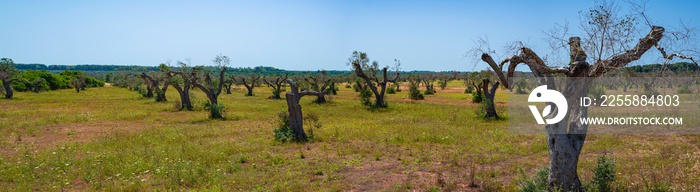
(211, 87)
(7, 76)
(276, 83)
(318, 83)
(181, 80)
(153, 81)
(610, 43)
(370, 74)
(296, 120)
(249, 82)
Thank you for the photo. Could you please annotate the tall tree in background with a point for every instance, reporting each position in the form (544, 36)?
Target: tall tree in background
(370, 74)
(7, 73)
(610, 42)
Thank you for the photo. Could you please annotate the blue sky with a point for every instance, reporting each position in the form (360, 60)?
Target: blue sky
(297, 35)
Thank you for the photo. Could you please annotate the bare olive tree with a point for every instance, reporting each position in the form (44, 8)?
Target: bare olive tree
(211, 87)
(609, 40)
(78, 81)
(7, 73)
(180, 79)
(370, 73)
(276, 83)
(249, 82)
(296, 120)
(153, 81)
(318, 83)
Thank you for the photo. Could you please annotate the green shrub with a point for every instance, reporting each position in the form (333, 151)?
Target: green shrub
(468, 90)
(429, 92)
(216, 111)
(477, 96)
(365, 97)
(283, 133)
(537, 183)
(391, 89)
(413, 92)
(603, 174)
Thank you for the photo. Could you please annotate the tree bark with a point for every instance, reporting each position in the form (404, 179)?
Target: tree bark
(296, 120)
(7, 84)
(489, 95)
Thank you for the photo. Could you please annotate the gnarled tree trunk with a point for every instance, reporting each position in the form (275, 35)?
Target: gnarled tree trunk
(489, 95)
(7, 84)
(296, 120)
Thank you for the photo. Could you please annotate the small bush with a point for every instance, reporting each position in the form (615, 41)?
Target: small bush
(391, 89)
(477, 97)
(283, 133)
(216, 111)
(537, 183)
(429, 92)
(603, 174)
(413, 92)
(311, 122)
(469, 90)
(520, 90)
(365, 97)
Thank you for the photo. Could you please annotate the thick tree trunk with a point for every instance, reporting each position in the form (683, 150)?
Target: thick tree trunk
(8, 89)
(185, 102)
(296, 122)
(250, 90)
(489, 95)
(321, 98)
(565, 139)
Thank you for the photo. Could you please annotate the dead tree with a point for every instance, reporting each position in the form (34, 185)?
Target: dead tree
(370, 73)
(248, 82)
(318, 83)
(428, 80)
(276, 83)
(296, 122)
(7, 73)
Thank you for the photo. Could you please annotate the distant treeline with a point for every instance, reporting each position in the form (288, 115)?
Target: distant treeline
(95, 69)
(676, 67)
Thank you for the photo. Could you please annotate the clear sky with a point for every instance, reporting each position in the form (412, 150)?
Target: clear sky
(295, 35)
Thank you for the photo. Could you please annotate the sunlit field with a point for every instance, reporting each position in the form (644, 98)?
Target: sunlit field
(112, 139)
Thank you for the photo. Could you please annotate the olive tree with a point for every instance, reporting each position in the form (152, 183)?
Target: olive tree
(276, 83)
(249, 82)
(153, 81)
(610, 42)
(181, 80)
(370, 74)
(202, 79)
(296, 120)
(318, 83)
(7, 73)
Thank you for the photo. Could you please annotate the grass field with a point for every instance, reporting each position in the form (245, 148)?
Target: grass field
(112, 139)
